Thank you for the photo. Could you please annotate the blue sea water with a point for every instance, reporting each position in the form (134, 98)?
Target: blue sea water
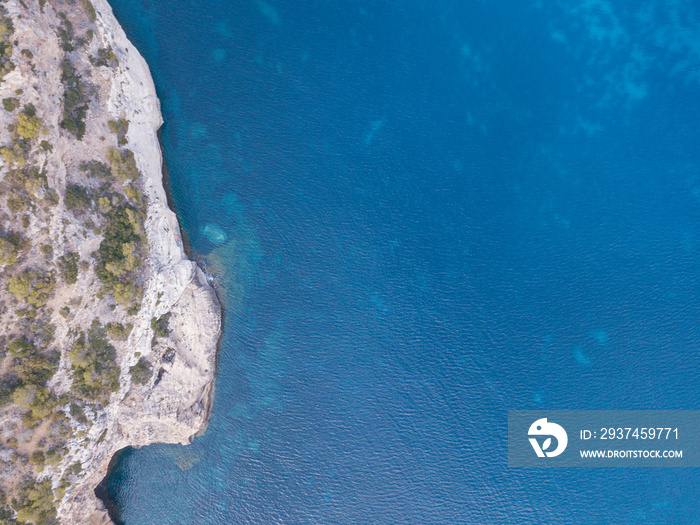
(422, 215)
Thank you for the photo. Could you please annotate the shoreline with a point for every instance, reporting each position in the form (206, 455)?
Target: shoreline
(101, 492)
(186, 245)
(197, 259)
(177, 408)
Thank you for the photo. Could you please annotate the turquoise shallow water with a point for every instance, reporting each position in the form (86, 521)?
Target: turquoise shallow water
(420, 216)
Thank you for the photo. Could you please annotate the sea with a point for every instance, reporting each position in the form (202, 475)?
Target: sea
(421, 215)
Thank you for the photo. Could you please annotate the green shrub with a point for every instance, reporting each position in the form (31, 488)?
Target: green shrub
(32, 287)
(105, 57)
(36, 367)
(29, 313)
(123, 164)
(77, 412)
(126, 293)
(118, 331)
(28, 126)
(74, 101)
(6, 65)
(75, 469)
(8, 253)
(95, 168)
(46, 146)
(126, 263)
(118, 256)
(104, 204)
(119, 231)
(11, 244)
(8, 384)
(36, 399)
(133, 194)
(16, 204)
(14, 155)
(51, 197)
(136, 219)
(134, 309)
(54, 456)
(6, 31)
(89, 9)
(68, 265)
(7, 517)
(35, 503)
(120, 128)
(95, 372)
(33, 186)
(141, 372)
(65, 32)
(160, 326)
(44, 331)
(38, 459)
(6, 26)
(77, 198)
(10, 103)
(20, 347)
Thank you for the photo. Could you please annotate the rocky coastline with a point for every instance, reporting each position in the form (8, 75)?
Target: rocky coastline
(177, 408)
(116, 345)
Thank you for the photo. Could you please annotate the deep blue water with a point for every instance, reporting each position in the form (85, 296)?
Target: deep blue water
(435, 212)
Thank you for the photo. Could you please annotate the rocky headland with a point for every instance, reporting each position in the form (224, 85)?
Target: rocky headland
(109, 332)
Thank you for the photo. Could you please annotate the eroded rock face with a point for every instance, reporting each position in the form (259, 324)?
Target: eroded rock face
(170, 402)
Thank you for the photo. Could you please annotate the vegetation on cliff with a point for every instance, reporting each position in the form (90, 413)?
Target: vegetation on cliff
(72, 251)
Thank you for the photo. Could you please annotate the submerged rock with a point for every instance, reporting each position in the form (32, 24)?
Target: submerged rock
(213, 233)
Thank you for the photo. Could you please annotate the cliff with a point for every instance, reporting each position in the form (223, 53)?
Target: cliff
(126, 324)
